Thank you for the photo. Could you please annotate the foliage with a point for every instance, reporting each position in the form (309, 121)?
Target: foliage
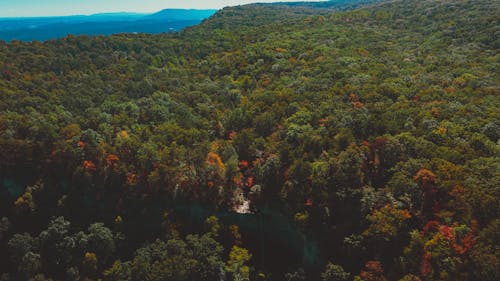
(334, 272)
(371, 130)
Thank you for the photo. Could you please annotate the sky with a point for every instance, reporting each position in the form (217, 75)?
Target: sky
(34, 8)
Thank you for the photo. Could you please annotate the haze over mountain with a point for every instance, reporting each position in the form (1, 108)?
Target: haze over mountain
(167, 20)
(44, 28)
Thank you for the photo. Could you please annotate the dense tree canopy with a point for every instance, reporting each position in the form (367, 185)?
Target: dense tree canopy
(368, 137)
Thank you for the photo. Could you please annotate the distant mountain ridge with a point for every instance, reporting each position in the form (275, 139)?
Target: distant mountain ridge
(167, 20)
(45, 28)
(182, 14)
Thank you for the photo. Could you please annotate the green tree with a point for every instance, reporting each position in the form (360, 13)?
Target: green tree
(20, 245)
(236, 265)
(334, 272)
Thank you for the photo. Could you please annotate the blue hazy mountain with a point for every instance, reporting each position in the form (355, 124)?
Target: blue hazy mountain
(45, 28)
(181, 14)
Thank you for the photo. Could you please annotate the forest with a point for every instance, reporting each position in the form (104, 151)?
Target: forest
(279, 142)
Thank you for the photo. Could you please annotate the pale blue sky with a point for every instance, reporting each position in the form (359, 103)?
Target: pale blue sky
(29, 8)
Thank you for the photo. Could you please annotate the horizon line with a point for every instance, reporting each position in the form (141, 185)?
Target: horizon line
(104, 13)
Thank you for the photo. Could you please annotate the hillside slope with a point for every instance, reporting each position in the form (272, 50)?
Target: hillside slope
(259, 14)
(359, 145)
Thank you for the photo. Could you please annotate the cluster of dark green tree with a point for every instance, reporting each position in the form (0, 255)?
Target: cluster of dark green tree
(60, 252)
(374, 132)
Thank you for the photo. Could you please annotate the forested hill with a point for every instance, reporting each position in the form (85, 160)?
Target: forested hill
(270, 142)
(259, 14)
